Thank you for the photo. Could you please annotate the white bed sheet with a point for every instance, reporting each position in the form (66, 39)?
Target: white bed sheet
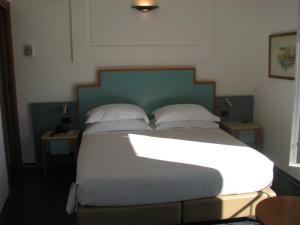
(125, 169)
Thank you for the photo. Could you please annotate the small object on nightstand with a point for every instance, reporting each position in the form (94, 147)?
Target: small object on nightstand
(58, 143)
(248, 132)
(245, 121)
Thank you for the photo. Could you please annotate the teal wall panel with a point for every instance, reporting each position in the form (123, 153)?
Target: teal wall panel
(242, 110)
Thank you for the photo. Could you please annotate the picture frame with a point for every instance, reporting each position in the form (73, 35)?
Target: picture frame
(282, 55)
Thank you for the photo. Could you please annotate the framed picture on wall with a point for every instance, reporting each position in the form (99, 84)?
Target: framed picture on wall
(282, 55)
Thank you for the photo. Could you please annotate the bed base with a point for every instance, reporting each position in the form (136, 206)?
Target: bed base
(201, 210)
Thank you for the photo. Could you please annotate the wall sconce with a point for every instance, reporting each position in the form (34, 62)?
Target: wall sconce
(65, 109)
(144, 5)
(228, 103)
(226, 109)
(66, 119)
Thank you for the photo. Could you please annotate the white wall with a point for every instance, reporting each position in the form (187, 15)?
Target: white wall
(209, 36)
(275, 97)
(225, 39)
(4, 190)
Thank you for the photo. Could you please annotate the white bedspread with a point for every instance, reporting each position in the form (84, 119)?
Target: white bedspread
(118, 169)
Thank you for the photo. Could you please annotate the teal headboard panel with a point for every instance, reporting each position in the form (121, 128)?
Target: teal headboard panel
(148, 88)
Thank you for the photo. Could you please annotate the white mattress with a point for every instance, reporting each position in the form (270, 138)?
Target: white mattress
(122, 169)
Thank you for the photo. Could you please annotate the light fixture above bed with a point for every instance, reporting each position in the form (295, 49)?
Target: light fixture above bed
(144, 5)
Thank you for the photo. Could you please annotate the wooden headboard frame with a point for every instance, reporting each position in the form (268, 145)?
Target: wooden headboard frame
(100, 71)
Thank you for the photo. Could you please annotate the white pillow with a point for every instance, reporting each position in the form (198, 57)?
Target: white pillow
(183, 112)
(117, 126)
(115, 112)
(186, 125)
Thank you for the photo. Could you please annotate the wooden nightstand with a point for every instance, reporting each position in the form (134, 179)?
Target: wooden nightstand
(249, 133)
(62, 143)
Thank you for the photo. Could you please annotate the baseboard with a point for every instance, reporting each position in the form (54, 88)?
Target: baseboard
(4, 211)
(284, 184)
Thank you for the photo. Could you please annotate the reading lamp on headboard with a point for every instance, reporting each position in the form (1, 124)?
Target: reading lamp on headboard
(66, 119)
(228, 103)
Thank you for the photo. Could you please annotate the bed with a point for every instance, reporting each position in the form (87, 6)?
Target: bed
(146, 177)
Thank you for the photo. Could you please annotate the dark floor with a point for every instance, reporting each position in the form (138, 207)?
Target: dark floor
(34, 201)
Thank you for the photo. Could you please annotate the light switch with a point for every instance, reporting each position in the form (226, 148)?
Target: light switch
(28, 50)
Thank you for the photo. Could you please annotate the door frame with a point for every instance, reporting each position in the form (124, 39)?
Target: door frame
(4, 4)
(16, 161)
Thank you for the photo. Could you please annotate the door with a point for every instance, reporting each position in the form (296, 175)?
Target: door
(8, 100)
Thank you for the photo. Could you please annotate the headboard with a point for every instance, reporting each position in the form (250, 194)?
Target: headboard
(149, 88)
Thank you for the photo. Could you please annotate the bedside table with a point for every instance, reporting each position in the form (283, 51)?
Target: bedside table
(249, 133)
(62, 143)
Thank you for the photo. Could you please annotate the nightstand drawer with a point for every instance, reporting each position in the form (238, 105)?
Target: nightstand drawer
(247, 136)
(59, 147)
(59, 144)
(249, 133)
